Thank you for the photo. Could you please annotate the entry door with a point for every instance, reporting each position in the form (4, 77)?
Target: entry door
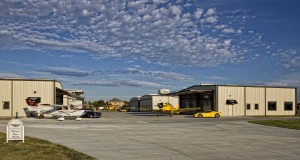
(230, 110)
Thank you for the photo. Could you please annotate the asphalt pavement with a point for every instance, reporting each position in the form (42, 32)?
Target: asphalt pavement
(144, 136)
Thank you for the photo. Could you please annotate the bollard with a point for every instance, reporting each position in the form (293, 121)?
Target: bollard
(17, 115)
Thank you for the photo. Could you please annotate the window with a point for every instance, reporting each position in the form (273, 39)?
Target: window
(256, 106)
(288, 106)
(231, 102)
(248, 106)
(272, 106)
(5, 104)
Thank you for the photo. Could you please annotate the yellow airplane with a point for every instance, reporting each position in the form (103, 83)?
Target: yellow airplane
(168, 108)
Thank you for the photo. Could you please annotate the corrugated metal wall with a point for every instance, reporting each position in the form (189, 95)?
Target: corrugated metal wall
(149, 102)
(58, 85)
(134, 103)
(16, 91)
(5, 95)
(231, 92)
(281, 95)
(164, 99)
(146, 103)
(255, 96)
(24, 89)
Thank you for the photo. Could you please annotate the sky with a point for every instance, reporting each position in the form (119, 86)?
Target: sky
(127, 48)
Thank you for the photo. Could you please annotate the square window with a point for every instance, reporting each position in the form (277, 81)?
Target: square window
(288, 106)
(256, 106)
(5, 104)
(248, 106)
(272, 106)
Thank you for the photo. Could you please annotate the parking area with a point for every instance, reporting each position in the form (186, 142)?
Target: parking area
(138, 136)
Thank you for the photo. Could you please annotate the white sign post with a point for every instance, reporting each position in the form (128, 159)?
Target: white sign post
(15, 130)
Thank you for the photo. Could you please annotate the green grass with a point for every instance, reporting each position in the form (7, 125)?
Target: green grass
(34, 148)
(291, 124)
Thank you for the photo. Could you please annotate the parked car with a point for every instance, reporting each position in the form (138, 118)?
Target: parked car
(91, 114)
(123, 110)
(207, 113)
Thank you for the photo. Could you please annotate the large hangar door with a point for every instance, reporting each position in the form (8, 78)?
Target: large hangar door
(188, 101)
(206, 102)
(203, 100)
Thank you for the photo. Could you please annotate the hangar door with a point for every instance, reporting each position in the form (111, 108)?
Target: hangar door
(202, 100)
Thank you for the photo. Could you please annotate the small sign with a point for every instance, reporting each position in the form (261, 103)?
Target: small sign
(15, 130)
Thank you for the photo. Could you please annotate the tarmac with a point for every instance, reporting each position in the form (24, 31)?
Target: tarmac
(144, 136)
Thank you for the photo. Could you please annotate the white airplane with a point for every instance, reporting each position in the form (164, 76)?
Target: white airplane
(47, 110)
(62, 112)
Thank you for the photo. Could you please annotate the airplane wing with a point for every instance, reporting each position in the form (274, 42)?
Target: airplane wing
(177, 111)
(188, 109)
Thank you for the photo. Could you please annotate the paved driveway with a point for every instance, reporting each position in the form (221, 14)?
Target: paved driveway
(137, 136)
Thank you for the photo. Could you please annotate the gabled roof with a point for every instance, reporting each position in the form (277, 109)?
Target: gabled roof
(115, 100)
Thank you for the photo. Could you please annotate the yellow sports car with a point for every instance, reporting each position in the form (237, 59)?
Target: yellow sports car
(207, 113)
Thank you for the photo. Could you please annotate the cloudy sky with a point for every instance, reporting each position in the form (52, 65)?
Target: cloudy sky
(129, 48)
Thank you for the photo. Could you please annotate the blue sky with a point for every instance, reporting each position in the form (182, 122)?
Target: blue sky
(131, 48)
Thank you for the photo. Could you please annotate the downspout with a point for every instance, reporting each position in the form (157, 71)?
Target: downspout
(296, 103)
(265, 101)
(11, 98)
(54, 91)
(216, 98)
(245, 101)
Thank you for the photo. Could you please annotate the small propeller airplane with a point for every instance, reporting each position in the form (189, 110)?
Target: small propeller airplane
(168, 108)
(47, 110)
(62, 112)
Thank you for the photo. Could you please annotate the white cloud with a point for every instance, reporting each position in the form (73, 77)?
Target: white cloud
(171, 76)
(136, 3)
(220, 26)
(160, 1)
(153, 32)
(228, 30)
(176, 10)
(63, 71)
(9, 75)
(210, 11)
(198, 12)
(215, 78)
(211, 19)
(290, 80)
(85, 12)
(227, 43)
(295, 62)
(122, 82)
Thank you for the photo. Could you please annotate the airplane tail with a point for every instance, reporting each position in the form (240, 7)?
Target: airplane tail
(30, 102)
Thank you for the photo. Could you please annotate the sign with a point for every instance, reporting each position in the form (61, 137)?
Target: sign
(15, 130)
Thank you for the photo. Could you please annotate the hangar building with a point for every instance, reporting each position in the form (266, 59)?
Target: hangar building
(134, 103)
(13, 93)
(149, 102)
(235, 100)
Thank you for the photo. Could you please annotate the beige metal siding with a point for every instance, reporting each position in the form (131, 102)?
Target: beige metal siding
(280, 95)
(149, 102)
(24, 89)
(5, 95)
(255, 95)
(164, 99)
(231, 92)
(58, 85)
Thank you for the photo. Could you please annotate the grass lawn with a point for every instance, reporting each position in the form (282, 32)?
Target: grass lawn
(292, 124)
(34, 148)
